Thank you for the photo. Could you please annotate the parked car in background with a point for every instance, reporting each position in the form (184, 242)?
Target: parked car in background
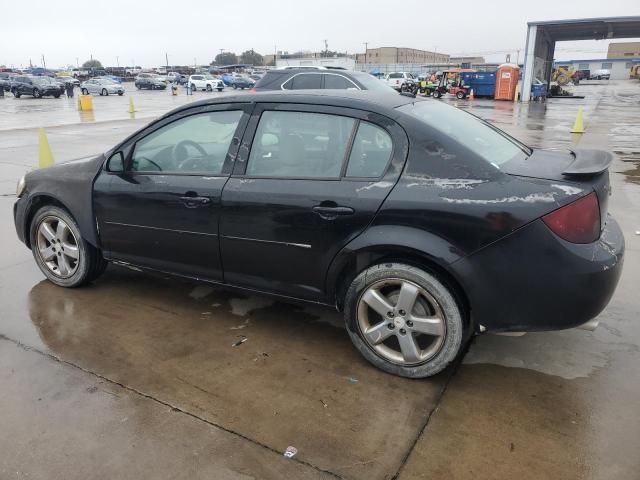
(243, 82)
(228, 79)
(176, 77)
(35, 86)
(101, 86)
(5, 85)
(150, 81)
(113, 78)
(396, 79)
(133, 70)
(312, 79)
(66, 80)
(602, 74)
(421, 222)
(205, 82)
(80, 72)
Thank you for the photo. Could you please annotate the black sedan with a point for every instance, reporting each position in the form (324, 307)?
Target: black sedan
(421, 222)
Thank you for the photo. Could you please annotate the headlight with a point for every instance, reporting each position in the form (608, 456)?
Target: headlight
(21, 186)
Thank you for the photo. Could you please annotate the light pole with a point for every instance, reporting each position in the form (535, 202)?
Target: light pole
(118, 61)
(366, 47)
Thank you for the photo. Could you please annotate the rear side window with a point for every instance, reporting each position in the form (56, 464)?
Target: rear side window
(371, 151)
(198, 143)
(300, 145)
(337, 82)
(272, 80)
(304, 81)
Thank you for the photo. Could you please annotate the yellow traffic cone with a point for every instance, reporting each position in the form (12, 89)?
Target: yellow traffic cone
(131, 107)
(578, 125)
(45, 155)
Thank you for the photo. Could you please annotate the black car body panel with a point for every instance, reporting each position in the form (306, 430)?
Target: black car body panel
(437, 204)
(27, 85)
(69, 185)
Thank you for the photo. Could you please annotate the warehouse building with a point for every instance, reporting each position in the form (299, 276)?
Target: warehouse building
(399, 55)
(624, 50)
(620, 68)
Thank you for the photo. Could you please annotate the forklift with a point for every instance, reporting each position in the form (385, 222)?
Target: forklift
(451, 82)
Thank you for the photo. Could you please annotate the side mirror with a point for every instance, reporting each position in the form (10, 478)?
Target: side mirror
(115, 163)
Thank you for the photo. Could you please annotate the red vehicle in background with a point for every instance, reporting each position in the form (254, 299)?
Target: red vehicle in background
(451, 82)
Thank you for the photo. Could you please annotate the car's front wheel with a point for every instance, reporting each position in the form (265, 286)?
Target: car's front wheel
(104, 92)
(85, 91)
(404, 320)
(209, 89)
(62, 254)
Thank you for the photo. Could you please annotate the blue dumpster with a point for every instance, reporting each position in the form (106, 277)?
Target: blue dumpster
(483, 83)
(538, 90)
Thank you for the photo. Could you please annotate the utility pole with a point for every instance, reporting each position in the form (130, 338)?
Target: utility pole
(118, 61)
(166, 59)
(366, 47)
(44, 64)
(77, 63)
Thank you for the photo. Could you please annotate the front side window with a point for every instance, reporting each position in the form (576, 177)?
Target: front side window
(194, 144)
(299, 145)
(371, 151)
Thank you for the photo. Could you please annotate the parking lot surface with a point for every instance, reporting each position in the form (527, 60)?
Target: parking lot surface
(137, 376)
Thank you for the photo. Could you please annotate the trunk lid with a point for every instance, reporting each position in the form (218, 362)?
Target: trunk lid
(579, 168)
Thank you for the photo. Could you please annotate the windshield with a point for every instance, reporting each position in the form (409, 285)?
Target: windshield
(42, 80)
(369, 82)
(493, 145)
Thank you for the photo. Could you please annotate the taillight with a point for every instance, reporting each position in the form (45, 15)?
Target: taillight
(578, 222)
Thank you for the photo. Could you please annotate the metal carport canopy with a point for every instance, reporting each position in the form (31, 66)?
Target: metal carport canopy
(542, 37)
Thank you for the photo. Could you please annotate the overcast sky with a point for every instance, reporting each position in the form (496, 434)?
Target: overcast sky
(196, 30)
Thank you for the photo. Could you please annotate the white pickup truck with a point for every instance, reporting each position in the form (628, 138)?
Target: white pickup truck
(396, 79)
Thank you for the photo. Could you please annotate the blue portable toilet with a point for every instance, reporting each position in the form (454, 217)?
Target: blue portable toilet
(482, 83)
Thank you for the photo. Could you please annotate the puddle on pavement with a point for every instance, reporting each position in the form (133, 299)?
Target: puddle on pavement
(150, 333)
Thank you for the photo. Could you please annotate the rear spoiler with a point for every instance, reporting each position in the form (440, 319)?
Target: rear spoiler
(588, 163)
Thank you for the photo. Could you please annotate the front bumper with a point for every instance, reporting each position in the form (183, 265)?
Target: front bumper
(534, 281)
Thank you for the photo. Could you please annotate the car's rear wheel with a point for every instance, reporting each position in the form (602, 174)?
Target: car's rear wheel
(193, 87)
(36, 93)
(219, 89)
(437, 94)
(235, 87)
(104, 92)
(404, 320)
(62, 254)
(16, 93)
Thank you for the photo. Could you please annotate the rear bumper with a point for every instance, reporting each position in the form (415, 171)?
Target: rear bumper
(534, 281)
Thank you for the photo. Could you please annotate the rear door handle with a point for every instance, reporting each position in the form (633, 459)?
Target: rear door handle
(195, 202)
(332, 212)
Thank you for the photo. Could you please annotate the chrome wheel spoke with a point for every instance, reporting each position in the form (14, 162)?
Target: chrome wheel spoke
(70, 251)
(428, 325)
(61, 230)
(63, 265)
(47, 253)
(407, 299)
(378, 302)
(409, 347)
(47, 231)
(378, 333)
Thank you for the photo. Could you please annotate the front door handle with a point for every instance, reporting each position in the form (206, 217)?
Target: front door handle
(329, 213)
(195, 202)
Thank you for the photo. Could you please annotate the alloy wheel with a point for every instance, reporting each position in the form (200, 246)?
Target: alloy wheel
(401, 321)
(58, 247)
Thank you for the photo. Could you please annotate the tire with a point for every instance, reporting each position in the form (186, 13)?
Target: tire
(57, 95)
(430, 353)
(67, 272)
(85, 91)
(460, 95)
(16, 93)
(120, 94)
(104, 92)
(138, 87)
(219, 89)
(193, 88)
(235, 87)
(209, 89)
(36, 93)
(437, 94)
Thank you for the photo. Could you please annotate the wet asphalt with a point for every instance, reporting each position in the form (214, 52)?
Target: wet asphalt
(136, 376)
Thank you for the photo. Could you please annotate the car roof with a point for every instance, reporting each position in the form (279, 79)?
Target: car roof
(367, 100)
